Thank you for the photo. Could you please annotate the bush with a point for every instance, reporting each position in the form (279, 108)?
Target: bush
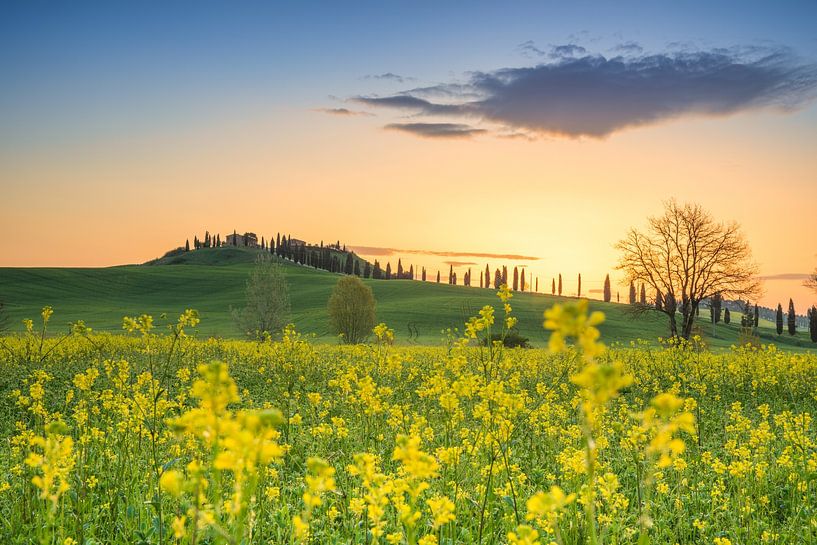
(352, 309)
(267, 310)
(511, 340)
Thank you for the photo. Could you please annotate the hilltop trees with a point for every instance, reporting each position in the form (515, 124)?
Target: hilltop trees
(687, 255)
(351, 309)
(267, 293)
(608, 294)
(792, 319)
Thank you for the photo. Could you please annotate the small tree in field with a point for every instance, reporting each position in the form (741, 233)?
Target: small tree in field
(352, 309)
(267, 292)
(792, 319)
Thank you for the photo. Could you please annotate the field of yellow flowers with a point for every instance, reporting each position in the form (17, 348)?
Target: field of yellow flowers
(156, 437)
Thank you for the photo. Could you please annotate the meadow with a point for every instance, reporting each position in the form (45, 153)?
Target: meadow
(212, 280)
(157, 436)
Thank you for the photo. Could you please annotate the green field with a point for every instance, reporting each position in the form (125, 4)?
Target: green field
(212, 280)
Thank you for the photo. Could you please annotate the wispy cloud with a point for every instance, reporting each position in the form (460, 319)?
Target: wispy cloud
(342, 112)
(578, 94)
(383, 251)
(390, 76)
(786, 276)
(459, 263)
(436, 130)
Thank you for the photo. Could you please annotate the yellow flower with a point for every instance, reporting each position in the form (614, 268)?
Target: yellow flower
(524, 535)
(442, 510)
(172, 482)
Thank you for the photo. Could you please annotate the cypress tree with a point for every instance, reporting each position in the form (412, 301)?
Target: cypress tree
(424, 274)
(487, 276)
(411, 272)
(504, 275)
(515, 279)
(608, 294)
(812, 323)
(560, 284)
(553, 286)
(377, 273)
(357, 268)
(727, 316)
(399, 268)
(659, 303)
(438, 276)
(579, 291)
(367, 270)
(792, 319)
(497, 279)
(632, 293)
(643, 295)
(481, 278)
(187, 245)
(522, 281)
(388, 271)
(451, 274)
(454, 279)
(757, 316)
(537, 284)
(779, 319)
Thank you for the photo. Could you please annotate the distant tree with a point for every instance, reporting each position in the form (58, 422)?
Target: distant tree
(727, 316)
(553, 286)
(522, 281)
(687, 254)
(792, 319)
(357, 268)
(643, 295)
(608, 294)
(451, 274)
(757, 316)
(367, 270)
(263, 244)
(659, 301)
(267, 294)
(424, 274)
(504, 275)
(579, 289)
(218, 240)
(388, 271)
(632, 293)
(537, 284)
(454, 279)
(715, 303)
(618, 296)
(187, 245)
(399, 268)
(497, 279)
(349, 267)
(812, 324)
(377, 274)
(515, 279)
(560, 284)
(438, 276)
(411, 272)
(278, 243)
(779, 319)
(487, 276)
(481, 279)
(811, 283)
(352, 309)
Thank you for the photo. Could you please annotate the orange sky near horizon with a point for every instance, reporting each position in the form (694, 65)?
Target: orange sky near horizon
(130, 197)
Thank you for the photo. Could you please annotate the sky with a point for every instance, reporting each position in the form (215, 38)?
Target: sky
(536, 129)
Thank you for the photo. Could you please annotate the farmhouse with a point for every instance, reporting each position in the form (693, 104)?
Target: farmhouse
(249, 240)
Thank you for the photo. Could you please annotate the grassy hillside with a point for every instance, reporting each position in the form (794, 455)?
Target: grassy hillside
(212, 281)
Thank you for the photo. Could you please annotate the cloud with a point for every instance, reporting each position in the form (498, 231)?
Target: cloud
(382, 251)
(389, 76)
(436, 130)
(786, 276)
(342, 112)
(459, 263)
(576, 94)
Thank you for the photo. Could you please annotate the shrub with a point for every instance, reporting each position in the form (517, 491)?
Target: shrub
(352, 309)
(267, 310)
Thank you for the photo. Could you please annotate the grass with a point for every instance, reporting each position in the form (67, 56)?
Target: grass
(212, 280)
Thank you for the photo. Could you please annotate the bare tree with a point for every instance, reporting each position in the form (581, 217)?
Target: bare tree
(687, 256)
(267, 310)
(811, 282)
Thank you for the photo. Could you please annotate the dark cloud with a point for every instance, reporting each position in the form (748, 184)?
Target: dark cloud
(381, 251)
(628, 48)
(529, 49)
(595, 96)
(342, 112)
(436, 130)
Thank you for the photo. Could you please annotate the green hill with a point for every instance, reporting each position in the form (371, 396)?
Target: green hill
(212, 281)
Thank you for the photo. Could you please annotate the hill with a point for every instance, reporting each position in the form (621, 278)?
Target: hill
(212, 281)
